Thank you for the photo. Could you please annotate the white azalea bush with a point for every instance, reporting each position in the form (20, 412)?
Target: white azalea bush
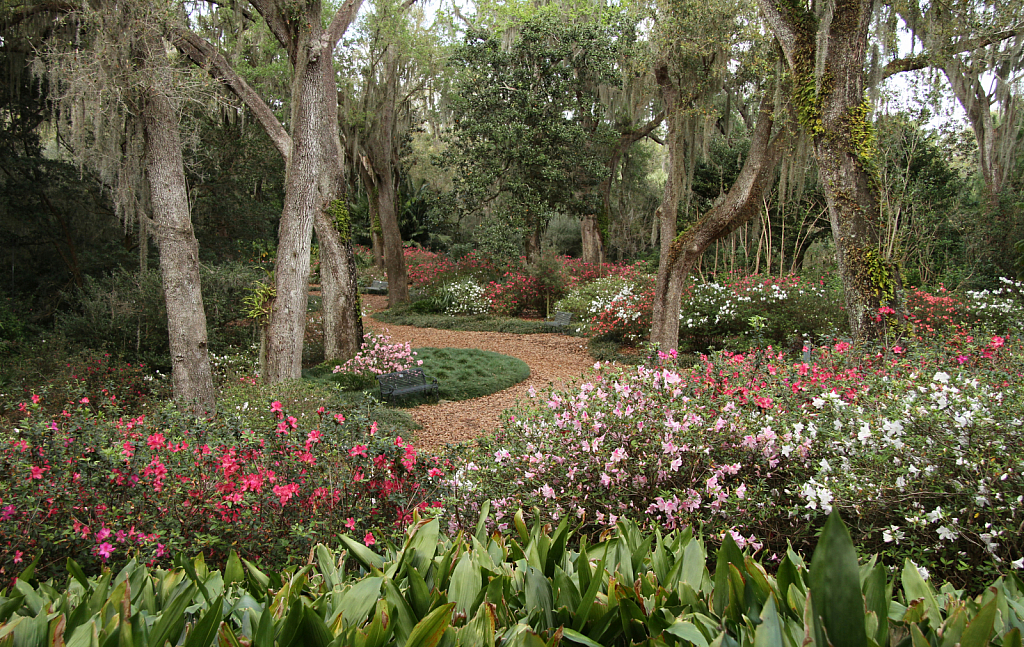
(999, 309)
(918, 450)
(591, 299)
(463, 296)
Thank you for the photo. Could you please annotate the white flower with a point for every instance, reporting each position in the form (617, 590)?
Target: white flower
(945, 534)
(818, 403)
(941, 376)
(935, 514)
(1018, 563)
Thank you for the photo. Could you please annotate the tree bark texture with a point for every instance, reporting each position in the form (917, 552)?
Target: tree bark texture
(741, 203)
(343, 325)
(832, 106)
(381, 154)
(592, 247)
(179, 258)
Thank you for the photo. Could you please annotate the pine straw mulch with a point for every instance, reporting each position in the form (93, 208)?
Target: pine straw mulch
(553, 359)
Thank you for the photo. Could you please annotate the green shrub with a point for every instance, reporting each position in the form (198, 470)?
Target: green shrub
(125, 313)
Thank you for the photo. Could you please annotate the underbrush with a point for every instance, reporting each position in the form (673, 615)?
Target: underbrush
(407, 315)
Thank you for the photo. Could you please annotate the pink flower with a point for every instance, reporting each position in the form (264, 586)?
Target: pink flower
(350, 523)
(35, 399)
(37, 472)
(156, 441)
(997, 341)
(433, 471)
(275, 406)
(357, 476)
(373, 428)
(358, 450)
(84, 401)
(286, 492)
(17, 556)
(547, 491)
(105, 550)
(369, 540)
(161, 550)
(102, 534)
(340, 419)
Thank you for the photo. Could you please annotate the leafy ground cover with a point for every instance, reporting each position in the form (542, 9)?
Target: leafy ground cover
(525, 589)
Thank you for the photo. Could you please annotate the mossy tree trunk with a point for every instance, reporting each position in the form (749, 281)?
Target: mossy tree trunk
(826, 57)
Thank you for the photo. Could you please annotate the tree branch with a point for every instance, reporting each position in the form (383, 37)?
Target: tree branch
(938, 59)
(276, 23)
(339, 23)
(204, 55)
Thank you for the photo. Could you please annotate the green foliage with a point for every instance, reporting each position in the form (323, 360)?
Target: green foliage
(125, 313)
(259, 302)
(533, 586)
(528, 128)
(411, 316)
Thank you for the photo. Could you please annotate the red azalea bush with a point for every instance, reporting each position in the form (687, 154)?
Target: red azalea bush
(102, 488)
(937, 311)
(515, 293)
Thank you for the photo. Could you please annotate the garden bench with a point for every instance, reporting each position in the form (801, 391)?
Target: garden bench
(408, 382)
(377, 287)
(560, 321)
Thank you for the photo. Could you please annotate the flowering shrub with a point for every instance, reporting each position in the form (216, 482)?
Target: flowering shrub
(102, 487)
(1001, 309)
(515, 293)
(461, 297)
(625, 315)
(917, 445)
(378, 355)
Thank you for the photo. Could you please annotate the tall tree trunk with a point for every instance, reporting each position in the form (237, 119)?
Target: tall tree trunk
(312, 183)
(833, 107)
(394, 257)
(343, 325)
(179, 258)
(741, 203)
(313, 178)
(592, 247)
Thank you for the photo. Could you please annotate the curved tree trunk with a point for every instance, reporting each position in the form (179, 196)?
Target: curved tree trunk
(740, 204)
(313, 178)
(179, 258)
(832, 106)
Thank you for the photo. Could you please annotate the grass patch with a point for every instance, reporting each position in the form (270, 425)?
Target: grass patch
(408, 315)
(466, 373)
(462, 374)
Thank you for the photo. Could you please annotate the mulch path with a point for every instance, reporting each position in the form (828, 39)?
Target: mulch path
(553, 359)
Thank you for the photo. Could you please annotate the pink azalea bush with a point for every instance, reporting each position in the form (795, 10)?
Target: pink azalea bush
(918, 445)
(103, 487)
(378, 355)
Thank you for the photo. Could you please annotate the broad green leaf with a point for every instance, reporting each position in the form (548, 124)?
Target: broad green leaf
(480, 532)
(465, 584)
(326, 562)
(578, 638)
(362, 554)
(588, 597)
(520, 525)
(233, 572)
(405, 617)
(265, 630)
(428, 631)
(205, 631)
(538, 595)
(77, 572)
(172, 617)
(769, 632)
(729, 553)
(835, 588)
(419, 594)
(915, 588)
(876, 599)
(689, 632)
(479, 632)
(358, 601)
(424, 541)
(979, 630)
(257, 579)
